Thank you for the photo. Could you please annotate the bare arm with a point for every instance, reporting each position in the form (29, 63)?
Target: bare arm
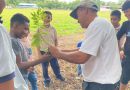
(73, 50)
(9, 85)
(25, 65)
(121, 52)
(76, 57)
(119, 45)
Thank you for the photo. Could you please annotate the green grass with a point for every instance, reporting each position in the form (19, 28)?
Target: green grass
(64, 24)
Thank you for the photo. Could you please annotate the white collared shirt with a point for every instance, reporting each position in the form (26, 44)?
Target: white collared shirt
(101, 43)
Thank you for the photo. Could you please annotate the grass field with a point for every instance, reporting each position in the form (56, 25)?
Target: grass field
(64, 24)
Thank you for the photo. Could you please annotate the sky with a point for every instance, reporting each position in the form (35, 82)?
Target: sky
(101, 0)
(110, 0)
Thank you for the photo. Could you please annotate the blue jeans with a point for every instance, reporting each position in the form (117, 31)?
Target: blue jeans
(54, 65)
(32, 77)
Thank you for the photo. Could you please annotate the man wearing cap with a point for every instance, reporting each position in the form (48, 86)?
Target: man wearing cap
(99, 54)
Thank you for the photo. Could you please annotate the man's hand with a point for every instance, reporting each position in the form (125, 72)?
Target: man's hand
(54, 51)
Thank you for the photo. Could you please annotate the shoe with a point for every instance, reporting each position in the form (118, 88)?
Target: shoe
(61, 78)
(46, 84)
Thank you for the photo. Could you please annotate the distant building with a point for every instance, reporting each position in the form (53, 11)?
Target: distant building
(27, 5)
(105, 8)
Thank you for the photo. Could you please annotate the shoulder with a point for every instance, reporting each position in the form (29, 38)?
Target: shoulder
(101, 26)
(126, 23)
(16, 45)
(101, 21)
(53, 28)
(15, 41)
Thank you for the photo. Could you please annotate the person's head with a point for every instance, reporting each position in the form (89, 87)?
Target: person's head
(2, 5)
(19, 25)
(48, 17)
(115, 17)
(85, 12)
(126, 9)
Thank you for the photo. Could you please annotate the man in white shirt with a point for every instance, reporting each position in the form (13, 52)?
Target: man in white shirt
(10, 77)
(99, 54)
(6, 64)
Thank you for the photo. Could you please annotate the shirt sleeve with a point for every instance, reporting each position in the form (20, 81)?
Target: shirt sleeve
(7, 62)
(7, 77)
(93, 40)
(16, 47)
(122, 31)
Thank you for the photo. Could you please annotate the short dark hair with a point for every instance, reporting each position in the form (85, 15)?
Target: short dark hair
(126, 5)
(1, 21)
(48, 13)
(19, 18)
(116, 13)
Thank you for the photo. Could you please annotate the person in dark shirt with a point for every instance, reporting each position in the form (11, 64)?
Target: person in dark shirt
(125, 30)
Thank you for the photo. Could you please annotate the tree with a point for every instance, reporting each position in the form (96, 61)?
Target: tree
(73, 4)
(97, 2)
(12, 2)
(121, 2)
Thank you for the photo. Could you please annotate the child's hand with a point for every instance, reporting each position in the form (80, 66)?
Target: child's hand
(122, 55)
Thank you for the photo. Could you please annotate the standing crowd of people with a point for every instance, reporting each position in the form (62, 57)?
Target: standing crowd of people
(102, 55)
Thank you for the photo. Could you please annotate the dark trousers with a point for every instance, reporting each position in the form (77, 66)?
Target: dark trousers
(98, 86)
(125, 77)
(55, 67)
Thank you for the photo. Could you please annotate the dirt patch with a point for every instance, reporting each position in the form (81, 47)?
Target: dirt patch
(68, 70)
